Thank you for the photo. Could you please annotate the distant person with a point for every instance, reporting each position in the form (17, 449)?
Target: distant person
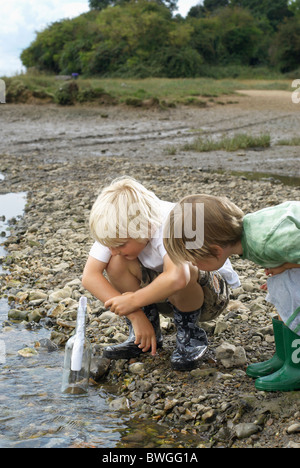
(269, 238)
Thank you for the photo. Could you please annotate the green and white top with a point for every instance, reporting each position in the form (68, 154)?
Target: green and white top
(271, 237)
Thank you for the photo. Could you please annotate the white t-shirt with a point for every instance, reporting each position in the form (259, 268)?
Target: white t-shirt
(152, 256)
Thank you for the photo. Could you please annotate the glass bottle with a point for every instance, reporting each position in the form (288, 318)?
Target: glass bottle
(77, 357)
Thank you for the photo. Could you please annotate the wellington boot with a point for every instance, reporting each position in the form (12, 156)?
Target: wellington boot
(287, 378)
(262, 369)
(191, 341)
(129, 349)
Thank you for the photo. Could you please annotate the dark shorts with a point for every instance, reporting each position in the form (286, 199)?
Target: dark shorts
(215, 288)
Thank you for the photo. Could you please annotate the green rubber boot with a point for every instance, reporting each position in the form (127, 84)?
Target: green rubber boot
(262, 369)
(287, 378)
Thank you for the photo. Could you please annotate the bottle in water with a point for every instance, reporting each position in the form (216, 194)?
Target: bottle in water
(77, 357)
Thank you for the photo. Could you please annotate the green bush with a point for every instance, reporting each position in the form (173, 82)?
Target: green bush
(66, 95)
(141, 38)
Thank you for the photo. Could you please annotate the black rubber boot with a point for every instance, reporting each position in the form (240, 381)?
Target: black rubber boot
(191, 341)
(128, 349)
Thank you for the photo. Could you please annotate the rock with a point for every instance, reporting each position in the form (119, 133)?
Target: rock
(248, 286)
(225, 351)
(221, 326)
(294, 428)
(16, 314)
(59, 338)
(60, 294)
(169, 404)
(231, 356)
(48, 344)
(137, 368)
(99, 367)
(119, 404)
(34, 316)
(37, 294)
(108, 316)
(61, 266)
(209, 416)
(245, 430)
(27, 352)
(292, 444)
(56, 311)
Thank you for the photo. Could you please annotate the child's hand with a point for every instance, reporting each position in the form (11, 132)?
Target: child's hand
(275, 271)
(121, 305)
(144, 332)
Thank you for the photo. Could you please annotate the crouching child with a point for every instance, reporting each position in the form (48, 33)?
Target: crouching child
(270, 238)
(129, 270)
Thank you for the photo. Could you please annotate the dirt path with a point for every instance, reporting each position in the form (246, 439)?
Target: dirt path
(156, 135)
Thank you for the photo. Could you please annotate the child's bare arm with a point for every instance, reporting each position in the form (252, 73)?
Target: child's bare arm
(94, 281)
(281, 269)
(173, 279)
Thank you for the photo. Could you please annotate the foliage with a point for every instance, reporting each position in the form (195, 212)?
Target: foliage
(142, 38)
(286, 48)
(102, 4)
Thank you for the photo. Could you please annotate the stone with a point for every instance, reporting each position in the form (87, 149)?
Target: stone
(245, 430)
(137, 368)
(37, 294)
(119, 404)
(16, 314)
(231, 356)
(60, 294)
(294, 428)
(27, 352)
(99, 367)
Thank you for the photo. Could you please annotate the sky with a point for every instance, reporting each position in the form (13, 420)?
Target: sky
(20, 19)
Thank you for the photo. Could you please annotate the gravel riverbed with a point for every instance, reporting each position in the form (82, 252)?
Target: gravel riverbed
(217, 404)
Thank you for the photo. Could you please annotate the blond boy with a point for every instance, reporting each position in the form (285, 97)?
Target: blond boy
(126, 222)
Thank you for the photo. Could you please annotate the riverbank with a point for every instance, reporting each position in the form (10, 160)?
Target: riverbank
(216, 405)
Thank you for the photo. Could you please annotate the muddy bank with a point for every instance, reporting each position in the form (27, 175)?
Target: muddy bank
(216, 405)
(156, 135)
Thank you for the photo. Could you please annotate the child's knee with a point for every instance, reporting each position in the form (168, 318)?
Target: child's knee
(116, 267)
(119, 266)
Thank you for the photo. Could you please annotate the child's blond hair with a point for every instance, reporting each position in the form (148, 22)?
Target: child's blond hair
(223, 226)
(124, 209)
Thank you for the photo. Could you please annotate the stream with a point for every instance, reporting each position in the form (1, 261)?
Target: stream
(33, 412)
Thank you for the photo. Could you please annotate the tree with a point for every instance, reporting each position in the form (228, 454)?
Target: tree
(102, 4)
(213, 5)
(286, 48)
(294, 7)
(274, 10)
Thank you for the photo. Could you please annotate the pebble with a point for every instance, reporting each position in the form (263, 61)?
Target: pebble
(245, 430)
(27, 352)
(47, 252)
(294, 428)
(137, 368)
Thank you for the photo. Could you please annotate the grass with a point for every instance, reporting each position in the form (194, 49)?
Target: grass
(292, 142)
(237, 142)
(135, 91)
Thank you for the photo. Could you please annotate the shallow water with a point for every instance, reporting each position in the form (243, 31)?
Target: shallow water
(34, 413)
